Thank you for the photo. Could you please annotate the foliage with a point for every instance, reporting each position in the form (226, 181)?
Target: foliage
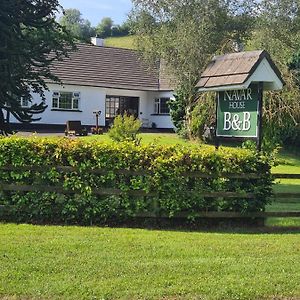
(278, 31)
(78, 27)
(29, 33)
(204, 115)
(104, 28)
(185, 35)
(121, 30)
(125, 129)
(177, 112)
(82, 30)
(162, 168)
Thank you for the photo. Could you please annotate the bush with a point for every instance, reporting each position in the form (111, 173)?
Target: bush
(161, 171)
(203, 116)
(125, 129)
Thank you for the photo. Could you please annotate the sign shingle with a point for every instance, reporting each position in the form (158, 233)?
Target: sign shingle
(233, 69)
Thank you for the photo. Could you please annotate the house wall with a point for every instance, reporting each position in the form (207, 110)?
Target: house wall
(161, 121)
(93, 99)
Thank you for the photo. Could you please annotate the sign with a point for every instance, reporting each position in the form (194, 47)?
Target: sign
(237, 113)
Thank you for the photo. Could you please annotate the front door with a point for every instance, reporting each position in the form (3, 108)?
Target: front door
(116, 105)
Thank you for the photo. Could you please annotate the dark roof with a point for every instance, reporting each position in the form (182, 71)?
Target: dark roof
(233, 69)
(108, 67)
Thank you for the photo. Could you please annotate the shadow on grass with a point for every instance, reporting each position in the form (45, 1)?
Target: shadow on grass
(238, 226)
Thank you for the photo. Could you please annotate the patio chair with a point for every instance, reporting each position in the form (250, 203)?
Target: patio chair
(75, 128)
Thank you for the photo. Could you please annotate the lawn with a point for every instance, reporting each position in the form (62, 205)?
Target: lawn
(120, 42)
(147, 138)
(290, 163)
(103, 263)
(54, 262)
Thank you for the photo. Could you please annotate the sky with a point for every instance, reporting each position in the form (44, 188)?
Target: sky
(95, 10)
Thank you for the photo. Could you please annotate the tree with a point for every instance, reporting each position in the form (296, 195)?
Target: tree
(79, 28)
(185, 35)
(30, 40)
(278, 31)
(104, 28)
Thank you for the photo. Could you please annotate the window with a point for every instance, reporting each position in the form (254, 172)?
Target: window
(112, 106)
(161, 106)
(116, 105)
(65, 100)
(24, 102)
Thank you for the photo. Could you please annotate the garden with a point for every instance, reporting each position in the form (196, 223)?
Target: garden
(87, 217)
(151, 262)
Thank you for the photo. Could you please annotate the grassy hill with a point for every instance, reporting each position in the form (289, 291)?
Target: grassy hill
(121, 42)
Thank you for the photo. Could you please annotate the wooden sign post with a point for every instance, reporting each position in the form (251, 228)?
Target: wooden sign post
(239, 114)
(239, 80)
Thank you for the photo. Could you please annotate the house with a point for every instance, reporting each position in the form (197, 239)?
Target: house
(106, 79)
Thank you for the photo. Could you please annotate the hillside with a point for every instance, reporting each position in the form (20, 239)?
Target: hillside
(121, 42)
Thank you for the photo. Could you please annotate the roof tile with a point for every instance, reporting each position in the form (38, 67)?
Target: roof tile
(109, 67)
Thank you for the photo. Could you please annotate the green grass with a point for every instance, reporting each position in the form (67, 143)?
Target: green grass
(147, 138)
(53, 262)
(121, 42)
(101, 263)
(290, 163)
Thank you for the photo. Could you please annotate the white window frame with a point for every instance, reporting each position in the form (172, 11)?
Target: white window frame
(56, 98)
(24, 103)
(157, 106)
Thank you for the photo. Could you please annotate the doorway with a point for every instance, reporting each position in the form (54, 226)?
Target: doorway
(119, 105)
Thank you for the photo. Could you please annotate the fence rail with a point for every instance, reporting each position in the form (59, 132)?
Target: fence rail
(141, 193)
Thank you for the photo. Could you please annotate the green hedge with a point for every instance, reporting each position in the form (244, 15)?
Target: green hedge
(163, 167)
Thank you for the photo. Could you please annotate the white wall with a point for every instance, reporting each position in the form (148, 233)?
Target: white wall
(93, 99)
(161, 121)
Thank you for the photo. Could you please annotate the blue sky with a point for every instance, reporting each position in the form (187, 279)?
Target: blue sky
(95, 10)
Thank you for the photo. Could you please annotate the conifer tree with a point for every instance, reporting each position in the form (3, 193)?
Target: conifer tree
(30, 39)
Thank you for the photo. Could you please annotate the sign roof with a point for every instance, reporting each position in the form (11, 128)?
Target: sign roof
(239, 70)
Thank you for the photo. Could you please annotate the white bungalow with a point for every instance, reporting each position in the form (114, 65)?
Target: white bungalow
(106, 79)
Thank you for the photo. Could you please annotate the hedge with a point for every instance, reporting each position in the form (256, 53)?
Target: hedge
(162, 171)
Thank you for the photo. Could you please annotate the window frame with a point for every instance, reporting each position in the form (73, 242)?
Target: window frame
(158, 106)
(24, 103)
(56, 99)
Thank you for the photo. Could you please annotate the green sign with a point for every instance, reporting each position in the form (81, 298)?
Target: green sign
(237, 113)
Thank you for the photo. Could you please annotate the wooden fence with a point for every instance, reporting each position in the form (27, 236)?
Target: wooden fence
(141, 193)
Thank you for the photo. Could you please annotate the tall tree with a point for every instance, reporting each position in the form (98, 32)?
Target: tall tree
(185, 35)
(30, 40)
(278, 32)
(80, 28)
(104, 28)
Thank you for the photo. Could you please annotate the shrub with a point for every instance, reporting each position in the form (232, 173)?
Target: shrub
(203, 116)
(160, 169)
(125, 129)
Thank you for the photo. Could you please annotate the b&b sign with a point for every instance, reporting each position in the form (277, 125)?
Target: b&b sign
(237, 113)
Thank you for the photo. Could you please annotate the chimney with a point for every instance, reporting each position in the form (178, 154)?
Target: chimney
(97, 41)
